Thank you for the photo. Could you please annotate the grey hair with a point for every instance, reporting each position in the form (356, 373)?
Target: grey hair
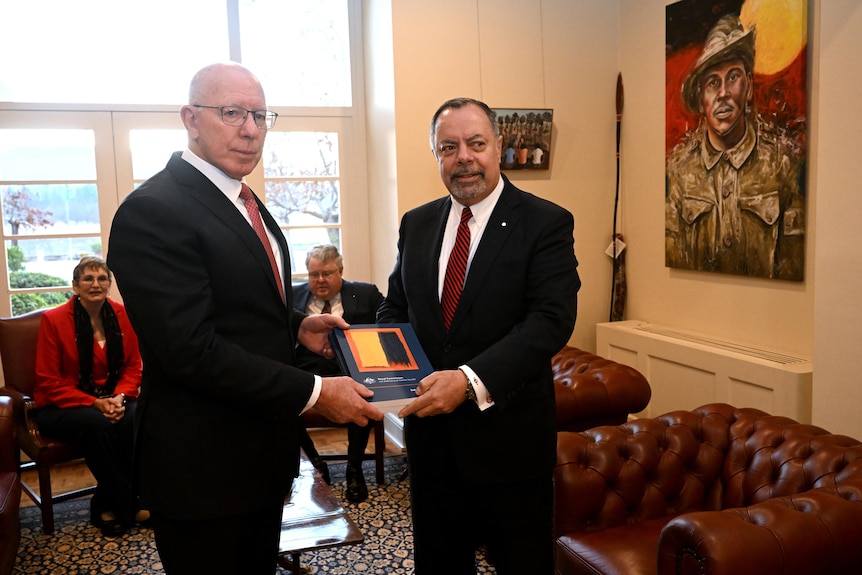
(325, 253)
(456, 103)
(88, 263)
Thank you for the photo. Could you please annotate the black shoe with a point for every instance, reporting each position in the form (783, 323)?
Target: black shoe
(110, 527)
(356, 489)
(322, 468)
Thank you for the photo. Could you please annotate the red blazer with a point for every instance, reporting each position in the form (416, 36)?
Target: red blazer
(57, 359)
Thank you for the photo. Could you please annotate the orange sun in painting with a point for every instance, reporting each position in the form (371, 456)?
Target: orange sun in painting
(782, 31)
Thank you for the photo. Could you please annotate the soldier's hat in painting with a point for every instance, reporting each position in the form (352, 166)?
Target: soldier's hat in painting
(727, 40)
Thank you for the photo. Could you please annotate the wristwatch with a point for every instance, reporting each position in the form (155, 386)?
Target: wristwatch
(471, 393)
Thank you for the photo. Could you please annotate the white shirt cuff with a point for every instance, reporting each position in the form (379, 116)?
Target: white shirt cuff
(315, 394)
(483, 396)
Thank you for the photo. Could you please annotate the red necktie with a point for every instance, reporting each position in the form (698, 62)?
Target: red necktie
(254, 214)
(456, 269)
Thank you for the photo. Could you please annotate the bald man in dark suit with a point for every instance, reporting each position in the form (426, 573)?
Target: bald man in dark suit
(217, 443)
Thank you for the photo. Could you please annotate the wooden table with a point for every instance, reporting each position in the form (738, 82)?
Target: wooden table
(313, 518)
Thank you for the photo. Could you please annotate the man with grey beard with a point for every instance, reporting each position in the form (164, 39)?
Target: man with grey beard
(488, 278)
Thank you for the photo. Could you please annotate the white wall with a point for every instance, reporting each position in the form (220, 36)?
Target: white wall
(837, 183)
(566, 56)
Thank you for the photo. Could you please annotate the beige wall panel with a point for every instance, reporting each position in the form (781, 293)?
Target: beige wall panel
(436, 52)
(581, 43)
(836, 183)
(511, 54)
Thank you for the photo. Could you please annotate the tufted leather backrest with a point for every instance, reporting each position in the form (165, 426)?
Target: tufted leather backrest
(773, 456)
(711, 458)
(591, 390)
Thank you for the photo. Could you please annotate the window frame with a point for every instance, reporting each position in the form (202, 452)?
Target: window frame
(112, 124)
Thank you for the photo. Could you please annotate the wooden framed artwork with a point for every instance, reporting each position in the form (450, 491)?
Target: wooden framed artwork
(735, 145)
(526, 137)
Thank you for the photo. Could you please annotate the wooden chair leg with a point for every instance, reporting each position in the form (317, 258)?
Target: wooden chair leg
(379, 449)
(47, 504)
(292, 565)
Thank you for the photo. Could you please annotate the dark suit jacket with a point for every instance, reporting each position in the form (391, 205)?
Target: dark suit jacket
(217, 418)
(360, 302)
(517, 309)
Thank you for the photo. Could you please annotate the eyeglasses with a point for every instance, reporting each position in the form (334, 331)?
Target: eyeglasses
(235, 116)
(325, 275)
(90, 279)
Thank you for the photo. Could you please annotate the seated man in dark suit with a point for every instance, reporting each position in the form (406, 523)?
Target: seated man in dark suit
(357, 302)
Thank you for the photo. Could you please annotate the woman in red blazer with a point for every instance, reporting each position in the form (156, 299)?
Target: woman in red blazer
(88, 369)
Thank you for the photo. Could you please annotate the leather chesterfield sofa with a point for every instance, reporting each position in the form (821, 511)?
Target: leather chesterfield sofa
(591, 390)
(10, 488)
(718, 490)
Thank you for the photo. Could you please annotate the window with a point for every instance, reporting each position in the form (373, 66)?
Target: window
(77, 138)
(50, 183)
(108, 52)
(300, 50)
(146, 52)
(302, 178)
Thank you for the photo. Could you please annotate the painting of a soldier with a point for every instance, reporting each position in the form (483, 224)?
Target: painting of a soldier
(735, 137)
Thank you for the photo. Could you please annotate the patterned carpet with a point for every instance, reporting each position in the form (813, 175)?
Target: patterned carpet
(78, 548)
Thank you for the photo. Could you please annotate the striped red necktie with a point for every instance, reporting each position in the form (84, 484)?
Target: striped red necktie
(254, 214)
(456, 269)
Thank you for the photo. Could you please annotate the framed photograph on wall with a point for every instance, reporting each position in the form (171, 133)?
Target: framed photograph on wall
(526, 138)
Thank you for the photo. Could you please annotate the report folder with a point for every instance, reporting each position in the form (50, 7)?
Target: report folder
(386, 358)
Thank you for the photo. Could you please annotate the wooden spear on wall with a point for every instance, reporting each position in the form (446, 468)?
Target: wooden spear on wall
(618, 283)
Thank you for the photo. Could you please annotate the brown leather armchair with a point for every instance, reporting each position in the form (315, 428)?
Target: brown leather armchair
(718, 490)
(18, 336)
(591, 390)
(10, 488)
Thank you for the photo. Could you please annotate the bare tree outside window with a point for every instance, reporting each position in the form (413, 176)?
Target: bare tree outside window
(18, 213)
(303, 188)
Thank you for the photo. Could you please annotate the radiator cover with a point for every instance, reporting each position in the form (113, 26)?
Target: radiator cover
(687, 369)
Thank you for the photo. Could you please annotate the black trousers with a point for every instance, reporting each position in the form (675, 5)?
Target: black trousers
(453, 517)
(357, 441)
(107, 448)
(245, 544)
